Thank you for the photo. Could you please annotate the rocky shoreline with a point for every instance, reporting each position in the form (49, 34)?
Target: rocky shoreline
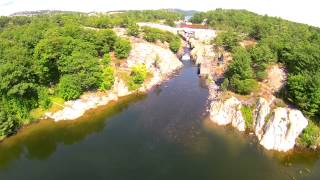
(159, 61)
(276, 127)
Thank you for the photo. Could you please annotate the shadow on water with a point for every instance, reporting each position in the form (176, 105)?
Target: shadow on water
(38, 141)
(162, 135)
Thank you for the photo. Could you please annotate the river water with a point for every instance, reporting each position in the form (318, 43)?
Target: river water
(164, 134)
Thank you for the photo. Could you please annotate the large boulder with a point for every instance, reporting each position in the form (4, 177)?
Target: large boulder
(283, 128)
(204, 35)
(153, 56)
(228, 112)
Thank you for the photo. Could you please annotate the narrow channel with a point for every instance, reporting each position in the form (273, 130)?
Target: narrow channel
(161, 135)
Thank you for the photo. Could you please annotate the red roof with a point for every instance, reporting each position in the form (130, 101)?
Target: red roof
(194, 26)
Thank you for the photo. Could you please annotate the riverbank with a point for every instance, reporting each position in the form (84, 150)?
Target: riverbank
(159, 61)
(276, 124)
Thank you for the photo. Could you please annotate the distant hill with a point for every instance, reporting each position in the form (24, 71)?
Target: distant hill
(40, 12)
(185, 12)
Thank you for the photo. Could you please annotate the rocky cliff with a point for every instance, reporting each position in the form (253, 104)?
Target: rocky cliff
(228, 112)
(275, 129)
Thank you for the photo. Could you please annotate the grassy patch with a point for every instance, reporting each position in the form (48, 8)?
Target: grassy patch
(57, 104)
(123, 74)
(310, 135)
(37, 113)
(247, 115)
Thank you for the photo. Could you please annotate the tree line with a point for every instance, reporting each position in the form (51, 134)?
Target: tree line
(61, 55)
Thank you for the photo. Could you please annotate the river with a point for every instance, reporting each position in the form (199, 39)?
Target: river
(164, 134)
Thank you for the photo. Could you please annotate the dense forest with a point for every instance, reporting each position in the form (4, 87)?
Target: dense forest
(50, 58)
(295, 45)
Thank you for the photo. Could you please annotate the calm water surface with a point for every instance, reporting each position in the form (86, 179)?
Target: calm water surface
(161, 135)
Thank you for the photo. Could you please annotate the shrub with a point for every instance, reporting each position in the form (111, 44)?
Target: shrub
(304, 91)
(261, 75)
(241, 64)
(310, 134)
(247, 115)
(106, 59)
(225, 84)
(243, 87)
(154, 34)
(137, 76)
(108, 78)
(105, 41)
(133, 30)
(122, 48)
(44, 98)
(17, 106)
(8, 124)
(69, 87)
(175, 45)
(228, 39)
(170, 22)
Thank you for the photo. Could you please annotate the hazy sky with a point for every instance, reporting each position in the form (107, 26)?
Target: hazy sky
(305, 11)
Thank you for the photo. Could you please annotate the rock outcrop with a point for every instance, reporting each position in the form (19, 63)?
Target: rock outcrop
(228, 112)
(154, 57)
(260, 114)
(283, 128)
(276, 132)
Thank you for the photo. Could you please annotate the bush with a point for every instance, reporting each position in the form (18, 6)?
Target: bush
(310, 135)
(44, 98)
(225, 84)
(262, 54)
(8, 124)
(243, 87)
(133, 30)
(247, 115)
(137, 76)
(106, 60)
(228, 39)
(304, 91)
(122, 48)
(261, 75)
(170, 22)
(154, 34)
(105, 41)
(241, 64)
(69, 87)
(175, 45)
(18, 106)
(108, 78)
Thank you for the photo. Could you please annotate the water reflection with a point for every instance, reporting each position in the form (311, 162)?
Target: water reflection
(39, 141)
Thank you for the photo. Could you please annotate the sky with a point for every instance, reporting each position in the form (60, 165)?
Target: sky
(304, 11)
